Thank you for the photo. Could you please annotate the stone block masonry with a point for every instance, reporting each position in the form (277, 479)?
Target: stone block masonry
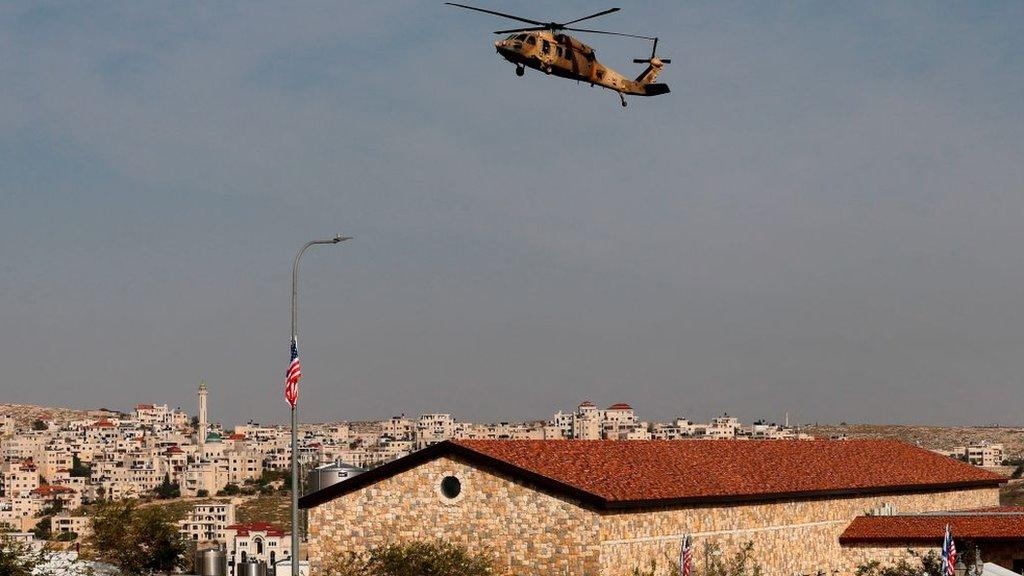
(526, 530)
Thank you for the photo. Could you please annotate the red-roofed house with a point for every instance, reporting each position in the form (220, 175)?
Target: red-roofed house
(258, 540)
(61, 497)
(606, 507)
(998, 533)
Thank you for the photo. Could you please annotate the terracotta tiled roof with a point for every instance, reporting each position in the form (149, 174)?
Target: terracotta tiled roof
(623, 471)
(48, 489)
(236, 437)
(620, 406)
(637, 473)
(245, 529)
(991, 524)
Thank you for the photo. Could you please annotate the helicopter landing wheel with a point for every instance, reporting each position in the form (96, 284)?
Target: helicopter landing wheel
(547, 69)
(520, 70)
(623, 98)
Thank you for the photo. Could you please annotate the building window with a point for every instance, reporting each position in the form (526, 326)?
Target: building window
(451, 487)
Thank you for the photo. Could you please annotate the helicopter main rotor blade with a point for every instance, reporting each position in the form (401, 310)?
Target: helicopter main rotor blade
(595, 15)
(610, 33)
(503, 15)
(514, 30)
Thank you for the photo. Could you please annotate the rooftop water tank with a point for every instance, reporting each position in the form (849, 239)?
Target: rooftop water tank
(330, 474)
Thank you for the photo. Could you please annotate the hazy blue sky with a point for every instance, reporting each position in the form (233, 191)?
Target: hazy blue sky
(824, 216)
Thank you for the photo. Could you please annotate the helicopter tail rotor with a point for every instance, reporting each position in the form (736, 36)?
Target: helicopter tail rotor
(653, 57)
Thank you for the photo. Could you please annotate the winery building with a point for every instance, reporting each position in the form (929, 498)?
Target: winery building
(607, 507)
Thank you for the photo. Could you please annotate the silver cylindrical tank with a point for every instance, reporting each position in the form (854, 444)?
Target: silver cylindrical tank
(211, 562)
(328, 475)
(251, 567)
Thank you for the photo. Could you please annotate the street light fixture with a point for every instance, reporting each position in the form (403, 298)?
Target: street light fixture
(295, 421)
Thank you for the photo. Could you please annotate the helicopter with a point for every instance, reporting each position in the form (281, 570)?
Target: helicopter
(543, 46)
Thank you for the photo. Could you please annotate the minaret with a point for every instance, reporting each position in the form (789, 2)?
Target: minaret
(201, 433)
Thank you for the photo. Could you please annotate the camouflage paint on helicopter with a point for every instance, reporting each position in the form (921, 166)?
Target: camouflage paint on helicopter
(543, 48)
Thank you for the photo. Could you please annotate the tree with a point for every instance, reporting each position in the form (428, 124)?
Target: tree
(42, 529)
(167, 489)
(20, 559)
(79, 470)
(230, 490)
(38, 424)
(202, 493)
(137, 540)
(16, 558)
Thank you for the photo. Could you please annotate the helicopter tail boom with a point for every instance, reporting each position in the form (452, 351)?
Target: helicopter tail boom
(655, 89)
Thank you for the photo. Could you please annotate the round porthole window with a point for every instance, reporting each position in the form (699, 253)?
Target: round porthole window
(451, 487)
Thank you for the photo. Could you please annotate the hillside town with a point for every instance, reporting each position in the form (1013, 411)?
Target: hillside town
(54, 469)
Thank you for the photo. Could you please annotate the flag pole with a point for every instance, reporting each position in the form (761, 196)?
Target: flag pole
(294, 404)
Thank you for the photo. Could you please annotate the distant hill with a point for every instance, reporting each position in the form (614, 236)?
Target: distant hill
(933, 437)
(25, 414)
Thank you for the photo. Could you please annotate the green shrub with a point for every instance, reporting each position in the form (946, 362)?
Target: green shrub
(930, 563)
(413, 559)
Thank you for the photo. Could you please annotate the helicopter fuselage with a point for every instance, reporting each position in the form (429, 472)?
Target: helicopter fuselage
(565, 56)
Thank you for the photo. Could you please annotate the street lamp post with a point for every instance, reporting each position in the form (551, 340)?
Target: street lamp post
(295, 421)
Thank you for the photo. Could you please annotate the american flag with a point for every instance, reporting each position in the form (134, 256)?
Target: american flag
(686, 556)
(948, 553)
(292, 376)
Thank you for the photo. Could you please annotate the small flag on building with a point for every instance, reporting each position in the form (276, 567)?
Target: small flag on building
(686, 556)
(948, 553)
(292, 376)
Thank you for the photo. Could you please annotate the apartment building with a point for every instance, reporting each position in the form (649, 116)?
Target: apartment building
(985, 454)
(65, 523)
(398, 428)
(434, 428)
(208, 522)
(20, 478)
(724, 427)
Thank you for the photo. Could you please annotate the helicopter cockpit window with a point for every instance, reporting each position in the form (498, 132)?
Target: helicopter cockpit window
(521, 37)
(589, 56)
(531, 40)
(545, 46)
(558, 50)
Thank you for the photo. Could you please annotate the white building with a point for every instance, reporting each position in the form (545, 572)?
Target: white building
(258, 540)
(434, 428)
(985, 454)
(208, 522)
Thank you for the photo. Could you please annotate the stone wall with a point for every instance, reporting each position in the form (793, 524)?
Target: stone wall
(792, 537)
(532, 532)
(1003, 553)
(527, 531)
